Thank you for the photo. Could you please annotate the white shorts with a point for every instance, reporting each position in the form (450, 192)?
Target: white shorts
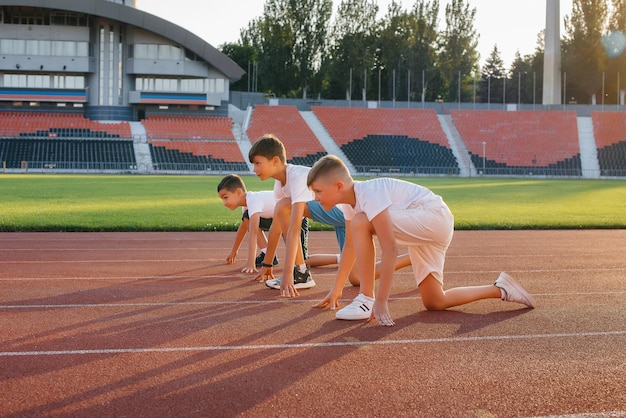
(427, 233)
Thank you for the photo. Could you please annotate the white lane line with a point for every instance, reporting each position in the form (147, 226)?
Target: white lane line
(108, 249)
(144, 304)
(608, 414)
(37, 262)
(123, 278)
(251, 302)
(237, 273)
(306, 345)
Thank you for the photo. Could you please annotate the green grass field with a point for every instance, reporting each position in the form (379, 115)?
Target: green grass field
(190, 203)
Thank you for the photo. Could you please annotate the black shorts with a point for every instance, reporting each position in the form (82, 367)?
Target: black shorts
(264, 223)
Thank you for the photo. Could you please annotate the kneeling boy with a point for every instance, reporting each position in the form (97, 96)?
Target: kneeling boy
(399, 213)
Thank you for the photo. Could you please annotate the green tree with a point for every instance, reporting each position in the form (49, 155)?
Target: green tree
(423, 54)
(458, 53)
(519, 85)
(245, 57)
(353, 33)
(536, 63)
(583, 56)
(393, 49)
(276, 72)
(408, 44)
(290, 40)
(616, 60)
(493, 76)
(309, 21)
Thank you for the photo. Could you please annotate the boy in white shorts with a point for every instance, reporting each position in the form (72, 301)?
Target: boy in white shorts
(398, 213)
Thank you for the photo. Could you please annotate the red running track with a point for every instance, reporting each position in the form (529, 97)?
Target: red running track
(156, 324)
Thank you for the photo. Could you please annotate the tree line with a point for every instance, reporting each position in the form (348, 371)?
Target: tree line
(299, 48)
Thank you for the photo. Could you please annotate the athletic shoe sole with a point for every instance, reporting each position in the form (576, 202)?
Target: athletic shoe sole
(275, 284)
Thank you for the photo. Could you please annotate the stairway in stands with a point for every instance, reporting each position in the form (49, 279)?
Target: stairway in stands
(142, 149)
(325, 139)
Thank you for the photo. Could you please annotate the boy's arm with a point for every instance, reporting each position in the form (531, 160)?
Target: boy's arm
(384, 230)
(345, 267)
(292, 243)
(253, 230)
(241, 233)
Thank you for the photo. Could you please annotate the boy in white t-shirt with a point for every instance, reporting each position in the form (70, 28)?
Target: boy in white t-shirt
(258, 211)
(398, 213)
(295, 201)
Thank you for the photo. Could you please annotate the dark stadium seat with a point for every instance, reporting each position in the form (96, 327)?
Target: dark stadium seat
(68, 154)
(390, 140)
(197, 156)
(610, 133)
(286, 123)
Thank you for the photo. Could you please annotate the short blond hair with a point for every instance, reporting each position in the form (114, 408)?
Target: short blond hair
(328, 167)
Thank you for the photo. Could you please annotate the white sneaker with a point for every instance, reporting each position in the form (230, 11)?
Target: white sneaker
(273, 283)
(512, 291)
(360, 308)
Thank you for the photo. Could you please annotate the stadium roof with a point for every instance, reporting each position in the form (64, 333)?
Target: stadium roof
(141, 19)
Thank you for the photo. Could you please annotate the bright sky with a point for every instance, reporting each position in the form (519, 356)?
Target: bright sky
(511, 24)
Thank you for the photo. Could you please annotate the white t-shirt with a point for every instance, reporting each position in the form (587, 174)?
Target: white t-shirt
(296, 187)
(260, 202)
(374, 196)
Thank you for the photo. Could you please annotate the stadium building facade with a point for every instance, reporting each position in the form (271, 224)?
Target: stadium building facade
(108, 60)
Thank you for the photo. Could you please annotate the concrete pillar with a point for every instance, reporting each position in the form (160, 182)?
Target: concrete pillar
(552, 55)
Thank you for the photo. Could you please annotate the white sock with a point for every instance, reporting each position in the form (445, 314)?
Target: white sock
(264, 250)
(338, 258)
(367, 298)
(302, 268)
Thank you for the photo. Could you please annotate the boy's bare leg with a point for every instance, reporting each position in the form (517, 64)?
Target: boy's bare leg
(401, 262)
(283, 213)
(275, 233)
(365, 251)
(318, 260)
(437, 299)
(261, 240)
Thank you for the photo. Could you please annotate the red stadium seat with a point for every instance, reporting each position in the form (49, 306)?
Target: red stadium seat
(521, 138)
(609, 128)
(349, 124)
(286, 123)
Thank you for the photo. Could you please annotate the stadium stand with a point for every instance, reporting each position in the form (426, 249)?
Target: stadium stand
(286, 123)
(67, 154)
(390, 140)
(66, 125)
(43, 141)
(521, 142)
(193, 143)
(610, 133)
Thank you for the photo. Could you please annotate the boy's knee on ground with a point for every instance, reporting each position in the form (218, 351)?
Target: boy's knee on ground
(432, 294)
(354, 278)
(434, 305)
